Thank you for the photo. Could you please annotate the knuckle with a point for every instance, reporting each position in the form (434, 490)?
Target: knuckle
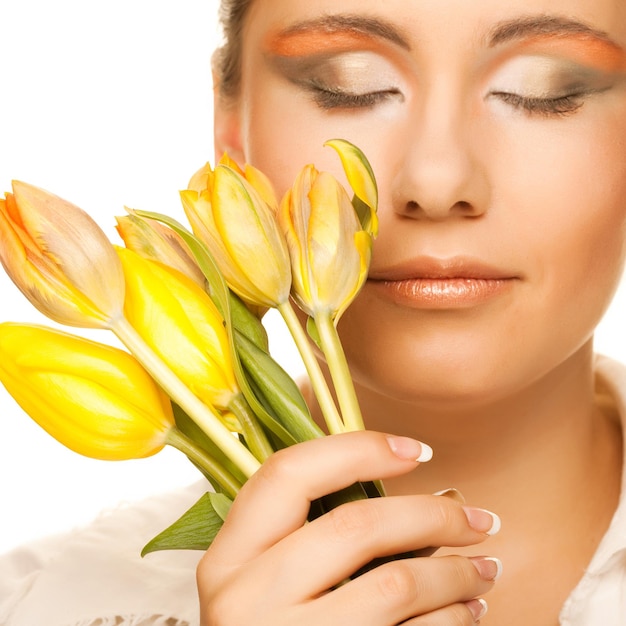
(443, 515)
(280, 467)
(211, 577)
(203, 573)
(206, 565)
(464, 572)
(355, 521)
(221, 608)
(400, 584)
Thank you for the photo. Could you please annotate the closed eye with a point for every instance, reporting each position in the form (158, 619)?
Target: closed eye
(544, 106)
(329, 98)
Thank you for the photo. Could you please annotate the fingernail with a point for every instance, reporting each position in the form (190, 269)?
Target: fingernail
(478, 608)
(452, 493)
(482, 520)
(489, 568)
(410, 449)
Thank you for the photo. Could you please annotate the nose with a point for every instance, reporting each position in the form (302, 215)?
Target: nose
(441, 174)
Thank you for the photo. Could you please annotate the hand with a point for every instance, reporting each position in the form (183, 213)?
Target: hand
(268, 567)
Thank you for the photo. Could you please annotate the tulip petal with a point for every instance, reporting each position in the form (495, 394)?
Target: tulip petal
(182, 325)
(320, 224)
(73, 240)
(262, 185)
(248, 231)
(39, 279)
(95, 399)
(361, 178)
(201, 180)
(153, 240)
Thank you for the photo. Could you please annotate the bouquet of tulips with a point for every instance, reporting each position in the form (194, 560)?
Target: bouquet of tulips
(188, 306)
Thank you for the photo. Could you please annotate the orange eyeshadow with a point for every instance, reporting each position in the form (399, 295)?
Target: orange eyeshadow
(315, 42)
(604, 55)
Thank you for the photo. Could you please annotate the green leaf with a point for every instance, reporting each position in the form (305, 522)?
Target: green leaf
(247, 323)
(280, 391)
(221, 504)
(311, 329)
(196, 529)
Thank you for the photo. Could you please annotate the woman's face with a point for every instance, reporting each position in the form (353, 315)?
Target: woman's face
(497, 132)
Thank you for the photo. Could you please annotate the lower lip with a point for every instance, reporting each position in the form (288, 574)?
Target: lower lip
(442, 293)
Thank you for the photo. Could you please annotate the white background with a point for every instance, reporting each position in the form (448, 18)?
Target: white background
(106, 104)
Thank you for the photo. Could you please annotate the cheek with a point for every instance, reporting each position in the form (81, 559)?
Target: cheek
(284, 130)
(571, 200)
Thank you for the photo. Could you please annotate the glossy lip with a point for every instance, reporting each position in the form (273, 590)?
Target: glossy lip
(430, 283)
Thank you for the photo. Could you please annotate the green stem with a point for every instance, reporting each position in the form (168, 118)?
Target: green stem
(203, 415)
(215, 470)
(318, 382)
(339, 372)
(253, 433)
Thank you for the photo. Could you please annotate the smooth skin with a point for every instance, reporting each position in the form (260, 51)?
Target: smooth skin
(506, 152)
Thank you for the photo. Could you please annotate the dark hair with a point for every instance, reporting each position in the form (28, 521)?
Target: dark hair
(227, 58)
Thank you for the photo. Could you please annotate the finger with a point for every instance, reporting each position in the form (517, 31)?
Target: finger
(403, 590)
(337, 544)
(276, 500)
(460, 614)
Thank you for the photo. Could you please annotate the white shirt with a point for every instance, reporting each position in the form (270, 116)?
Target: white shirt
(96, 577)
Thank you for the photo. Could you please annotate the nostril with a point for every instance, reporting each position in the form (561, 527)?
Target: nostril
(465, 208)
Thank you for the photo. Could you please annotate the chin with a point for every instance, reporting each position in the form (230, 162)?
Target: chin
(437, 383)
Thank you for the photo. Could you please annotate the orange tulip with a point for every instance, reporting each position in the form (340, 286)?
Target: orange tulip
(59, 258)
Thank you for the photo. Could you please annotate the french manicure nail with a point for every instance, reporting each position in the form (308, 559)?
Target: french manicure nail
(410, 449)
(452, 493)
(478, 608)
(489, 567)
(482, 520)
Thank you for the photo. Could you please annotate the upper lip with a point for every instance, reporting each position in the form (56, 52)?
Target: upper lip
(425, 267)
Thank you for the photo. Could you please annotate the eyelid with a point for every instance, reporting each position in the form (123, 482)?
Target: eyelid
(350, 73)
(543, 76)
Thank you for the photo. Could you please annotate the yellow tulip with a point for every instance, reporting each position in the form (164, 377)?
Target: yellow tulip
(235, 215)
(95, 399)
(180, 323)
(361, 178)
(59, 258)
(155, 241)
(329, 250)
(202, 180)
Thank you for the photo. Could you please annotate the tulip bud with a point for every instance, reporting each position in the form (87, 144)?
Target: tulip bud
(235, 216)
(59, 258)
(95, 399)
(329, 251)
(155, 241)
(179, 322)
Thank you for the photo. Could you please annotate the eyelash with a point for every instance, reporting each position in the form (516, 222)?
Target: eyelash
(546, 107)
(327, 98)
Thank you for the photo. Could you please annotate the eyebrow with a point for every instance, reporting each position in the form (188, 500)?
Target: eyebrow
(357, 26)
(343, 28)
(546, 26)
